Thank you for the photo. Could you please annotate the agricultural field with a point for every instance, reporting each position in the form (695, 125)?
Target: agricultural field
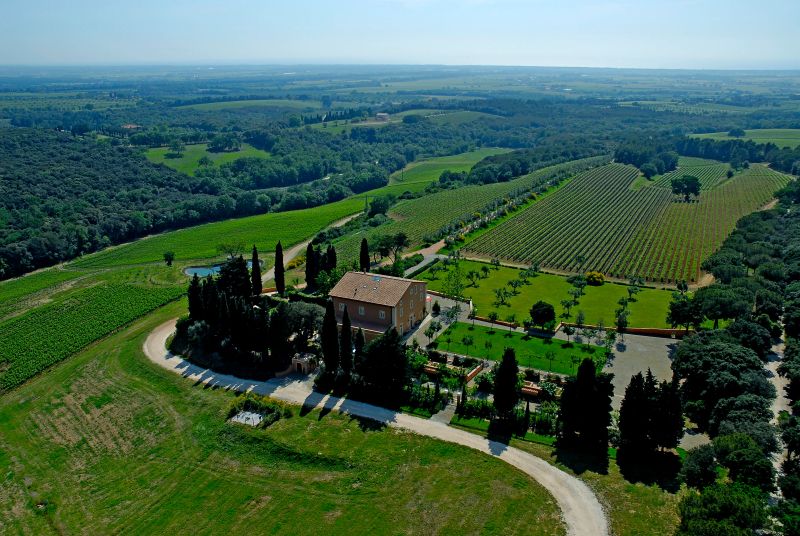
(649, 310)
(189, 162)
(782, 137)
(420, 173)
(31, 342)
(532, 352)
(104, 440)
(425, 216)
(645, 231)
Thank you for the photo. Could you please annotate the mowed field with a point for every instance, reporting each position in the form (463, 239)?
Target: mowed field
(190, 160)
(607, 220)
(649, 310)
(109, 443)
(782, 137)
(417, 175)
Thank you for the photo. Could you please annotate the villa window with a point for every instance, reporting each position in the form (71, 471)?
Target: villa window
(382, 315)
(341, 306)
(361, 310)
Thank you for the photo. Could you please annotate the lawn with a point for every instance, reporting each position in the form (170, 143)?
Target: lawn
(108, 443)
(490, 343)
(782, 137)
(190, 160)
(598, 303)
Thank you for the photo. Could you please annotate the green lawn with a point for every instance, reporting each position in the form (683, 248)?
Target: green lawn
(782, 137)
(422, 172)
(190, 160)
(598, 303)
(531, 351)
(109, 443)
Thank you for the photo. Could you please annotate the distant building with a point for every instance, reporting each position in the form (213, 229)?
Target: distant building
(377, 302)
(381, 116)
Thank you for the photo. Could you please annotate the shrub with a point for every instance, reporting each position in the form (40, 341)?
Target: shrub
(272, 410)
(700, 467)
(595, 279)
(436, 357)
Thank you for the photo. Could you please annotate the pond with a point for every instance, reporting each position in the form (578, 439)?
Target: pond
(205, 271)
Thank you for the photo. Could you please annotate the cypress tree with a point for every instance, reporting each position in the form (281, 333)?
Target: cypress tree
(634, 417)
(506, 394)
(280, 283)
(279, 338)
(312, 267)
(195, 299)
(586, 408)
(358, 356)
(668, 416)
(330, 341)
(346, 344)
(330, 257)
(255, 273)
(363, 258)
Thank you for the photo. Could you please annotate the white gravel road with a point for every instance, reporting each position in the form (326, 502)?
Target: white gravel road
(581, 511)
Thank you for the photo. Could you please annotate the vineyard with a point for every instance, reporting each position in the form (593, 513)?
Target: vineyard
(425, 216)
(598, 222)
(36, 340)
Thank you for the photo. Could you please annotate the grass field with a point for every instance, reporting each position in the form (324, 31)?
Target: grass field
(108, 443)
(782, 137)
(643, 229)
(598, 303)
(490, 343)
(190, 161)
(423, 172)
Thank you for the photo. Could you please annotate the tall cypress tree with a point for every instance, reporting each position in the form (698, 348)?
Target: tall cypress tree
(280, 282)
(279, 338)
(330, 258)
(330, 340)
(195, 299)
(358, 356)
(255, 273)
(346, 344)
(363, 258)
(668, 416)
(506, 379)
(586, 408)
(634, 417)
(312, 267)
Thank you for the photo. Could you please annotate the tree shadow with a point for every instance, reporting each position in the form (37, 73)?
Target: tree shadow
(657, 468)
(368, 425)
(581, 460)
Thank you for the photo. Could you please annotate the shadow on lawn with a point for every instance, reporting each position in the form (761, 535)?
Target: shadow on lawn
(580, 460)
(659, 468)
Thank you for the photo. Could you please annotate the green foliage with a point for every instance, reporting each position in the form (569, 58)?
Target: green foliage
(722, 510)
(31, 342)
(700, 467)
(506, 384)
(272, 410)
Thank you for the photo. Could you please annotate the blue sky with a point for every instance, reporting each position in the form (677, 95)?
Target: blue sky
(759, 34)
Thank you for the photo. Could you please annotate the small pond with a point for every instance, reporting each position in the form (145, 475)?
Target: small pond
(204, 271)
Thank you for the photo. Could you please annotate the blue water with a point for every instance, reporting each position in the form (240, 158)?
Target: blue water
(205, 271)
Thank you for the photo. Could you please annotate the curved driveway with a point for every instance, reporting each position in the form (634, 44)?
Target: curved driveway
(581, 511)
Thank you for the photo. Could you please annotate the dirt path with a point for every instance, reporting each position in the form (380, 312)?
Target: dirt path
(580, 509)
(296, 249)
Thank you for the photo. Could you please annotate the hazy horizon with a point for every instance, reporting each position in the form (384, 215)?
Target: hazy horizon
(616, 34)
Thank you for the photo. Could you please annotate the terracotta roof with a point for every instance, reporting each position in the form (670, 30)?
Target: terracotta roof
(372, 288)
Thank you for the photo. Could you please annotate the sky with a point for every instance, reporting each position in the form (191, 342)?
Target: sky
(692, 34)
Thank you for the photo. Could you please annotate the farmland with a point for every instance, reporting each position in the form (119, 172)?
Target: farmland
(422, 218)
(782, 137)
(189, 161)
(532, 352)
(419, 174)
(104, 440)
(645, 231)
(36, 340)
(291, 104)
(598, 303)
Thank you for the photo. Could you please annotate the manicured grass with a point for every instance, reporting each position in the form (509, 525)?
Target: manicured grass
(109, 443)
(531, 351)
(200, 242)
(782, 137)
(598, 303)
(190, 160)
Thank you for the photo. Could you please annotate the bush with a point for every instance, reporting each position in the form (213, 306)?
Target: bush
(436, 357)
(272, 410)
(700, 467)
(466, 362)
(481, 409)
(595, 279)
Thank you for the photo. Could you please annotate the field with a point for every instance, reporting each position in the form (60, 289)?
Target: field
(598, 303)
(645, 231)
(425, 216)
(782, 137)
(190, 161)
(292, 104)
(531, 352)
(31, 342)
(108, 443)
(419, 174)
